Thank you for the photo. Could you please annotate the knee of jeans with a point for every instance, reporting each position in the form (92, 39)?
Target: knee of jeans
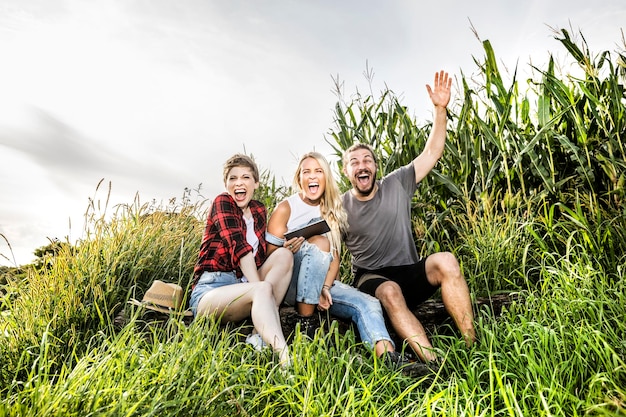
(365, 305)
(314, 250)
(323, 259)
(368, 304)
(374, 307)
(316, 259)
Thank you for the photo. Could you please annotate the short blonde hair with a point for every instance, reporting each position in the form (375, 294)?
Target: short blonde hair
(241, 160)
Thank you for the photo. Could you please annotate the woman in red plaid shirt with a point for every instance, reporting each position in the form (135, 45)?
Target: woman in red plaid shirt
(234, 278)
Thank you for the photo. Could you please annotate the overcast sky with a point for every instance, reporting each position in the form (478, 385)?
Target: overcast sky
(154, 95)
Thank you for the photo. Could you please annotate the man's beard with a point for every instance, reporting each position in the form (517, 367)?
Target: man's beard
(365, 193)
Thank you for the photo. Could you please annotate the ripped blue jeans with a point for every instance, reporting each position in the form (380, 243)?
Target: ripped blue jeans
(362, 309)
(310, 265)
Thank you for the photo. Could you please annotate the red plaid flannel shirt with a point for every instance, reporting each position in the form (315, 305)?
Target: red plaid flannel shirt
(224, 240)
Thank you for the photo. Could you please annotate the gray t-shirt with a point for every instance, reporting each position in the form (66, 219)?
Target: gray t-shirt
(380, 230)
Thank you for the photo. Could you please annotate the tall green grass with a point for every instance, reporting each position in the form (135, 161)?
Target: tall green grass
(76, 295)
(553, 354)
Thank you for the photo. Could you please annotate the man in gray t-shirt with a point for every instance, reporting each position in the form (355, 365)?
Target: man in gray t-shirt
(380, 239)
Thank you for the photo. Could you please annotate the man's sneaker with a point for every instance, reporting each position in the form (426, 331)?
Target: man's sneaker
(256, 341)
(398, 362)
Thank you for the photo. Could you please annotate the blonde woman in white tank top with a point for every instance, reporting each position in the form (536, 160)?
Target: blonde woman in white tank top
(315, 278)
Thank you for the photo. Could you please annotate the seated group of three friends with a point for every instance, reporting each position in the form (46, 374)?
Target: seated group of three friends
(247, 269)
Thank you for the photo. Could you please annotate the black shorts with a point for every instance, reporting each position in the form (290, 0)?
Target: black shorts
(411, 279)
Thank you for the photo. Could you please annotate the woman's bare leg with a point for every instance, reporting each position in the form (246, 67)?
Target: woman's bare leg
(253, 299)
(277, 270)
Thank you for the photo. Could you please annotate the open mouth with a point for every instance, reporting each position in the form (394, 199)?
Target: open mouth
(240, 195)
(363, 178)
(314, 187)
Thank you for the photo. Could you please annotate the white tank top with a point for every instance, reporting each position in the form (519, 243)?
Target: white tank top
(301, 212)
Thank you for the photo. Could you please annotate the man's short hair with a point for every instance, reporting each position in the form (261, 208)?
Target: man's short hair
(356, 146)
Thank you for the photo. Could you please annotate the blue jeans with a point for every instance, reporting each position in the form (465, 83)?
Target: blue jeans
(310, 265)
(363, 309)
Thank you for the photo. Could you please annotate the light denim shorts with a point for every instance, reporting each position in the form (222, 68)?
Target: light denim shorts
(209, 281)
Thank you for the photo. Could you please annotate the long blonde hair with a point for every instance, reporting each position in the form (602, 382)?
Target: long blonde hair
(331, 207)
